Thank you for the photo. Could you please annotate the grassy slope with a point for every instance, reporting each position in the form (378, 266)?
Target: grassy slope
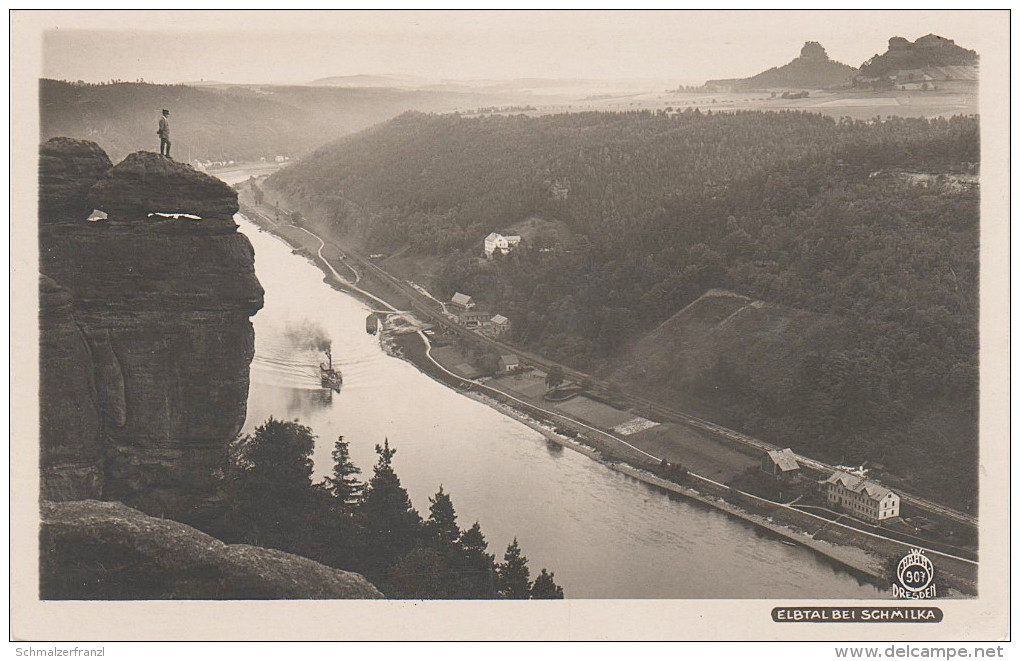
(764, 341)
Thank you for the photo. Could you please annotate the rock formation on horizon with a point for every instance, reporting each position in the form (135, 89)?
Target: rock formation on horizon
(930, 58)
(811, 70)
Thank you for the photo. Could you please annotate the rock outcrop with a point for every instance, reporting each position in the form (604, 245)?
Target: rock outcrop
(161, 310)
(102, 550)
(71, 452)
(931, 57)
(68, 168)
(145, 183)
(812, 70)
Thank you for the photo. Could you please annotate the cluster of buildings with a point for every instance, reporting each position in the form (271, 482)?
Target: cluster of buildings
(462, 311)
(205, 166)
(852, 494)
(494, 325)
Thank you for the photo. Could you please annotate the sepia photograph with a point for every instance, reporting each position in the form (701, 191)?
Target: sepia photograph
(690, 316)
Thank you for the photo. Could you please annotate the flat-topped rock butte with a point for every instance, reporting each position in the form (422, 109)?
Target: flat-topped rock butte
(152, 315)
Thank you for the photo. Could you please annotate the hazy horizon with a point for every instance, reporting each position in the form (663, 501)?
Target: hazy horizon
(676, 47)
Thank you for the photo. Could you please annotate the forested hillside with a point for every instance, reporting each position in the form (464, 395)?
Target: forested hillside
(872, 223)
(229, 123)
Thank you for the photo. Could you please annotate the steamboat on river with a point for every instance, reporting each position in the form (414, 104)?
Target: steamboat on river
(329, 377)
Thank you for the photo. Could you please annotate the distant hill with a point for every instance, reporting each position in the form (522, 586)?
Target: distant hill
(229, 122)
(931, 57)
(812, 70)
(366, 80)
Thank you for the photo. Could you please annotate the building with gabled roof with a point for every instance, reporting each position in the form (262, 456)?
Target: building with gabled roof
(781, 464)
(503, 244)
(463, 301)
(861, 498)
(474, 319)
(509, 363)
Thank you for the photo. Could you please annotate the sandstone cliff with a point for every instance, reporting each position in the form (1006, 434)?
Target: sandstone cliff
(94, 550)
(145, 346)
(931, 57)
(146, 337)
(71, 454)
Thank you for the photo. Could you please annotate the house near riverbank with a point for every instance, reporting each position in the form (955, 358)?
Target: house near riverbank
(509, 363)
(499, 326)
(861, 498)
(462, 301)
(781, 464)
(473, 319)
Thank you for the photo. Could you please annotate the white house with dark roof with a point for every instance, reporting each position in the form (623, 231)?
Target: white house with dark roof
(857, 496)
(503, 244)
(781, 464)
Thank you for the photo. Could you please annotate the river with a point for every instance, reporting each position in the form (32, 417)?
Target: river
(605, 535)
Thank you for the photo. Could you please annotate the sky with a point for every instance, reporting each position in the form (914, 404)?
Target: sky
(687, 47)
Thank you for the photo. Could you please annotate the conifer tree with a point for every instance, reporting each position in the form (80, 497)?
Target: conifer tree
(441, 527)
(272, 485)
(343, 484)
(342, 528)
(477, 568)
(421, 574)
(512, 575)
(545, 587)
(392, 524)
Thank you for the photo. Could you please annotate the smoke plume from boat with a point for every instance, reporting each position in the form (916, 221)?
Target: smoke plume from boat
(309, 335)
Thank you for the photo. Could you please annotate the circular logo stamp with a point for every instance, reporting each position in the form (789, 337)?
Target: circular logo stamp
(915, 574)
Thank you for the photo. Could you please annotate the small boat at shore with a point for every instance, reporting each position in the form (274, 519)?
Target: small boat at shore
(371, 324)
(329, 377)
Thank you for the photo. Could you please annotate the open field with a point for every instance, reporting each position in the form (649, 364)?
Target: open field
(680, 444)
(596, 413)
(530, 384)
(857, 104)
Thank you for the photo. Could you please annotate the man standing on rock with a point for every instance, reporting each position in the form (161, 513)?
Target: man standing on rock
(164, 134)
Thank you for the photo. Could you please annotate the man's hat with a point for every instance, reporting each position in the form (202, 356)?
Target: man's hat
(166, 111)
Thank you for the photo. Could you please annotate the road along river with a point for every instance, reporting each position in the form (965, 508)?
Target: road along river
(604, 534)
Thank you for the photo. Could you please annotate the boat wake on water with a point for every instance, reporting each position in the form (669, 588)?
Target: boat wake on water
(293, 359)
